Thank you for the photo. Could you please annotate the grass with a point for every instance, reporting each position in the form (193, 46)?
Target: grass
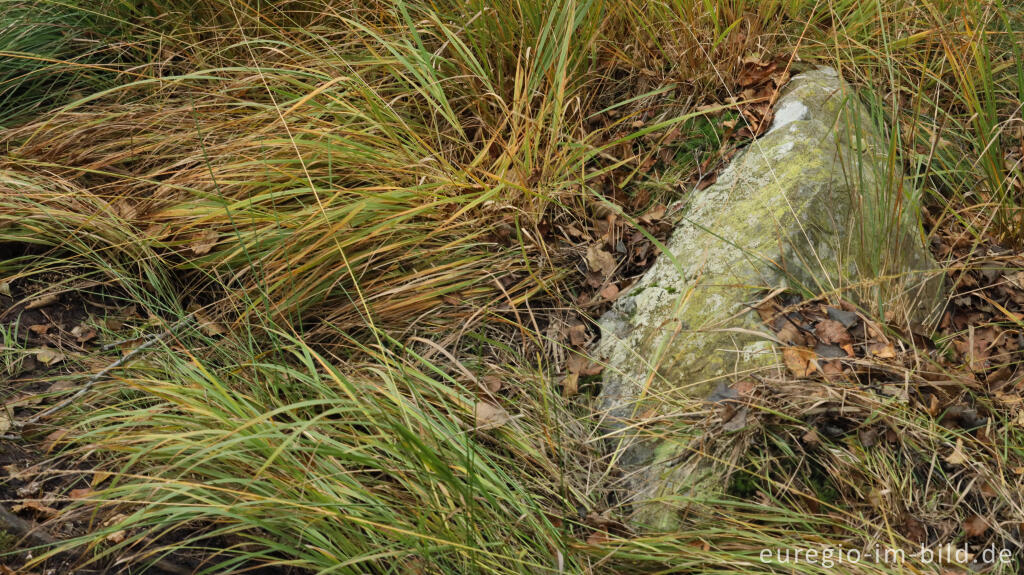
(375, 200)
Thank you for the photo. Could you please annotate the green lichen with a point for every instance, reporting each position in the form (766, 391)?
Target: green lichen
(784, 214)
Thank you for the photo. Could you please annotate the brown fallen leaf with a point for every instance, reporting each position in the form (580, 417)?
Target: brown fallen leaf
(882, 350)
(754, 70)
(736, 420)
(800, 361)
(202, 245)
(599, 260)
(975, 526)
(207, 325)
(610, 292)
(39, 328)
(832, 370)
(83, 333)
(43, 301)
(34, 505)
(652, 215)
(831, 331)
(957, 457)
(53, 438)
(492, 383)
(789, 334)
(583, 365)
(571, 384)
(48, 356)
(578, 334)
(811, 437)
(914, 530)
(846, 317)
(578, 366)
(768, 310)
(489, 416)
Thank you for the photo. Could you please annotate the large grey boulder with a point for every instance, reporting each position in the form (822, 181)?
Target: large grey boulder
(814, 205)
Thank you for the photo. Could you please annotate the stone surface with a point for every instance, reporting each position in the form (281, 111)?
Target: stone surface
(800, 208)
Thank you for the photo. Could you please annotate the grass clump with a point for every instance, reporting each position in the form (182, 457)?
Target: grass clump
(308, 464)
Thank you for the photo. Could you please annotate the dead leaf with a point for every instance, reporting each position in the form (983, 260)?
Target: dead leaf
(114, 520)
(914, 530)
(975, 526)
(48, 299)
(80, 493)
(654, 214)
(708, 179)
(583, 365)
(53, 438)
(204, 243)
(578, 334)
(831, 331)
(489, 416)
(578, 366)
(5, 289)
(958, 457)
(116, 536)
(868, 437)
(754, 71)
(575, 232)
(571, 384)
(207, 325)
(5, 420)
(800, 361)
(610, 292)
(768, 310)
(789, 334)
(83, 333)
(811, 437)
(492, 383)
(34, 505)
(737, 420)
(599, 260)
(882, 350)
(847, 318)
(48, 356)
(832, 370)
(39, 328)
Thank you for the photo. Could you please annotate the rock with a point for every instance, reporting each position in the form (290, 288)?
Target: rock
(809, 207)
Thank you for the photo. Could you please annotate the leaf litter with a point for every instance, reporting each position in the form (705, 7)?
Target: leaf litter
(951, 397)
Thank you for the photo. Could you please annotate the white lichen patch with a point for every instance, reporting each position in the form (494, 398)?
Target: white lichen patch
(789, 112)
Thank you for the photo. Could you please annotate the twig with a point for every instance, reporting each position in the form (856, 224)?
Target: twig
(98, 376)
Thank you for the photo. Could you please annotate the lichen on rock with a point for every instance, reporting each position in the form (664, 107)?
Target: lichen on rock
(796, 210)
